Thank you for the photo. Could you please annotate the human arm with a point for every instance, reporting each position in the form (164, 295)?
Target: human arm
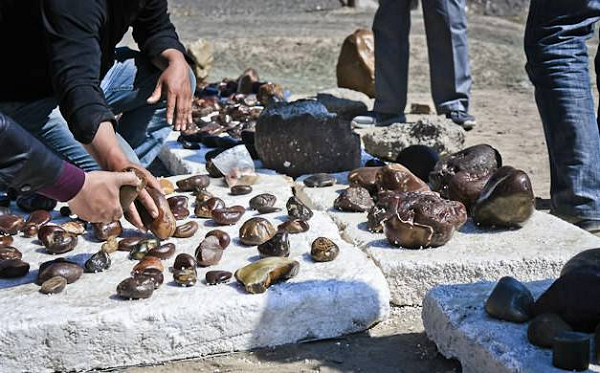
(28, 166)
(157, 39)
(72, 35)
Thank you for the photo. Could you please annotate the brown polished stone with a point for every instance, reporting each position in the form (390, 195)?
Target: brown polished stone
(217, 277)
(209, 252)
(205, 209)
(194, 183)
(229, 215)
(165, 251)
(256, 231)
(104, 230)
(224, 239)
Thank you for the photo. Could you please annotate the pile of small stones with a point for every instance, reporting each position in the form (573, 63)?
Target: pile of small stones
(414, 214)
(564, 318)
(148, 252)
(225, 114)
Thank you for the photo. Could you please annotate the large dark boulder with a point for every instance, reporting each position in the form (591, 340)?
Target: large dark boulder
(302, 137)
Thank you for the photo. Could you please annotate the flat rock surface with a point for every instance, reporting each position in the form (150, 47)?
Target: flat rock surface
(455, 319)
(534, 252)
(435, 131)
(88, 326)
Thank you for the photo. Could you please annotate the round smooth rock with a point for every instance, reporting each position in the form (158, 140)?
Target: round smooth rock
(186, 230)
(164, 251)
(149, 262)
(324, 250)
(13, 268)
(142, 248)
(229, 215)
(111, 245)
(34, 202)
(354, 199)
(419, 159)
(278, 245)
(135, 288)
(98, 262)
(298, 210)
(224, 239)
(59, 267)
(256, 231)
(571, 351)
(11, 223)
(183, 261)
(54, 285)
(179, 207)
(262, 200)
(320, 180)
(510, 300)
(217, 277)
(185, 277)
(193, 183)
(205, 209)
(294, 226)
(152, 274)
(5, 239)
(166, 186)
(209, 252)
(543, 328)
(127, 244)
(9, 252)
(104, 230)
(240, 190)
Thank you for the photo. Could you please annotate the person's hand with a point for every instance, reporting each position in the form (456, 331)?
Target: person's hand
(98, 199)
(131, 213)
(174, 83)
(107, 152)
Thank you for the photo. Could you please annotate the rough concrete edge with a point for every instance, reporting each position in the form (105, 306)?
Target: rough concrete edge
(437, 325)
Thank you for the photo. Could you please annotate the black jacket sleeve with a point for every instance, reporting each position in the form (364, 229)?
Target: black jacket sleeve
(25, 163)
(72, 32)
(153, 30)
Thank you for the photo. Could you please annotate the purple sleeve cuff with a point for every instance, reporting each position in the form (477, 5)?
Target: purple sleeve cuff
(67, 185)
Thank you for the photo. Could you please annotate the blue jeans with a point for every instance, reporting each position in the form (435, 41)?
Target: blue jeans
(142, 128)
(557, 64)
(450, 72)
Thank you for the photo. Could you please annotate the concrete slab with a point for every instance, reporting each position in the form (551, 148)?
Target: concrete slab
(535, 252)
(88, 327)
(455, 320)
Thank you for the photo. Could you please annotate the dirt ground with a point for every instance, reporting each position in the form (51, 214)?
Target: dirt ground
(297, 45)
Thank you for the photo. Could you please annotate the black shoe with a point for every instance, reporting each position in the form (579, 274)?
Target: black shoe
(462, 118)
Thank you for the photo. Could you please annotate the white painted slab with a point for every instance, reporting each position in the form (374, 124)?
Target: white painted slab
(455, 319)
(87, 326)
(535, 252)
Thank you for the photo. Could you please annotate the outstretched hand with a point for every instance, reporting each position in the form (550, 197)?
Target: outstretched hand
(174, 83)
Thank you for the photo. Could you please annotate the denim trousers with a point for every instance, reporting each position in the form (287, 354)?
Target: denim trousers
(447, 46)
(142, 129)
(557, 65)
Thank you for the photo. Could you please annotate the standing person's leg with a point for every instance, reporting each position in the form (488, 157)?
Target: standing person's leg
(447, 45)
(557, 64)
(127, 86)
(391, 29)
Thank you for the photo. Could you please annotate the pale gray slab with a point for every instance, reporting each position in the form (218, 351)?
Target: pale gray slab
(534, 252)
(87, 326)
(455, 319)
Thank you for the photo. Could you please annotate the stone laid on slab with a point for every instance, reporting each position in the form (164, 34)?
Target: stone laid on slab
(437, 132)
(455, 320)
(534, 252)
(87, 326)
(346, 103)
(303, 137)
